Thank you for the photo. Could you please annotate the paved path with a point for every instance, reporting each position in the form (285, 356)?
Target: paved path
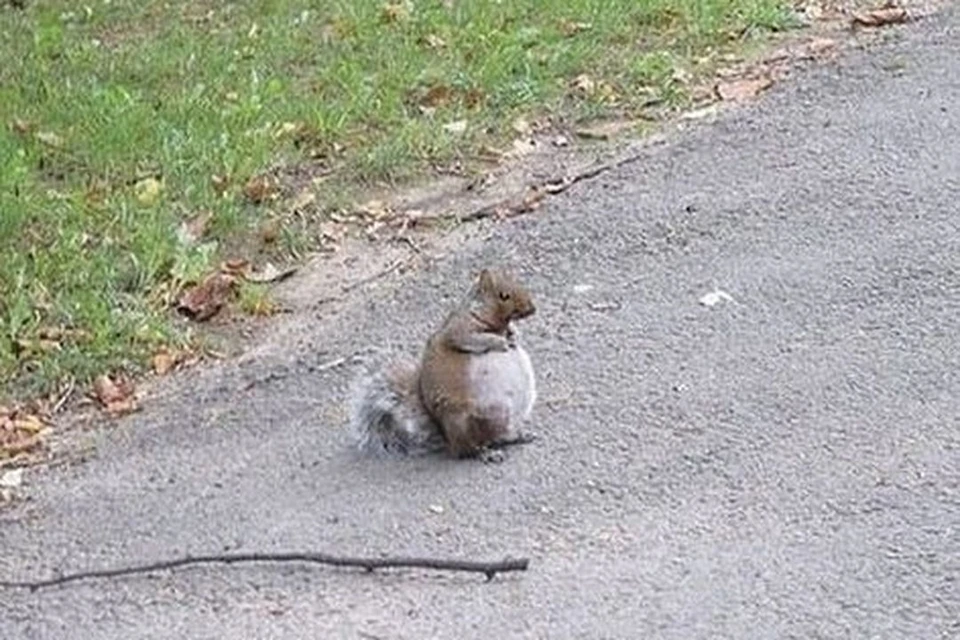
(783, 466)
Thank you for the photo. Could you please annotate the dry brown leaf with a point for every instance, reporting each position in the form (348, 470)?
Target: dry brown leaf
(115, 395)
(396, 11)
(259, 188)
(521, 127)
(374, 209)
(219, 183)
(303, 200)
(235, 267)
(528, 203)
(21, 127)
(474, 98)
(880, 17)
(29, 422)
(163, 362)
(437, 96)
(570, 28)
(523, 146)
(821, 46)
(605, 130)
(97, 192)
(205, 300)
(269, 231)
(434, 41)
(331, 232)
(192, 230)
(50, 139)
(740, 90)
(583, 84)
(289, 129)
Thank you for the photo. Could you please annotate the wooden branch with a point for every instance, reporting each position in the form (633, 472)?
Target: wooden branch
(490, 569)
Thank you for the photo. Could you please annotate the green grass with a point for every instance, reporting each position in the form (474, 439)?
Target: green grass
(96, 96)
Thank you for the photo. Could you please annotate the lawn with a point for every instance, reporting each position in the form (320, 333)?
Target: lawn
(123, 120)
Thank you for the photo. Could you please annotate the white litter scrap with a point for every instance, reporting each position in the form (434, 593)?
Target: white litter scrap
(11, 479)
(714, 297)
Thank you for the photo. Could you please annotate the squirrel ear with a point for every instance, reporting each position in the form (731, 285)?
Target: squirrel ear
(485, 278)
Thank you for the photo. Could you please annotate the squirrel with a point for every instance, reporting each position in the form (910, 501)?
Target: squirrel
(472, 388)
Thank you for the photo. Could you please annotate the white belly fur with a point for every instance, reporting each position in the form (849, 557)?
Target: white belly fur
(504, 379)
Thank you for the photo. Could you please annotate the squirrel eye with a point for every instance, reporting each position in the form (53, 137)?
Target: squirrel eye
(504, 295)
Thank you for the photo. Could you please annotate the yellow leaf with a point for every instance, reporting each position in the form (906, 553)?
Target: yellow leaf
(148, 191)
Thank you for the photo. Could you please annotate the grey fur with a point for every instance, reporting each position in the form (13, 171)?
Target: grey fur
(386, 420)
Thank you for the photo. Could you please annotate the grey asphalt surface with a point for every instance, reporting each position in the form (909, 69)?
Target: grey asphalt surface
(786, 465)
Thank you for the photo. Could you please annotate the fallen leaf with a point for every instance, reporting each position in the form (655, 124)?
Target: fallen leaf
(259, 188)
(97, 191)
(115, 395)
(456, 127)
(205, 300)
(521, 127)
(740, 90)
(820, 46)
(219, 183)
(235, 267)
(570, 28)
(396, 11)
(523, 146)
(584, 84)
(21, 127)
(288, 129)
(50, 139)
(880, 17)
(270, 273)
(303, 200)
(374, 209)
(163, 362)
(434, 41)
(437, 96)
(192, 230)
(702, 113)
(605, 130)
(26, 347)
(474, 98)
(269, 231)
(148, 191)
(29, 422)
(331, 233)
(528, 203)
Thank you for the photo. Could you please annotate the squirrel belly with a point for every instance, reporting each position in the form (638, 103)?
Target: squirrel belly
(503, 382)
(386, 415)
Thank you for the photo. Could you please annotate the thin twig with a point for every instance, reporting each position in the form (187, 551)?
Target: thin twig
(490, 569)
(512, 206)
(380, 274)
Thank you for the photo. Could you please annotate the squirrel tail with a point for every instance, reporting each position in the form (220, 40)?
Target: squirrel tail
(386, 415)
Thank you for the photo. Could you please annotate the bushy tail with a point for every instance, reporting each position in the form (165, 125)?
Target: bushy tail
(386, 415)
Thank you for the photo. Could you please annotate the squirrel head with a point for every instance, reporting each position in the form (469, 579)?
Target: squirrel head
(504, 295)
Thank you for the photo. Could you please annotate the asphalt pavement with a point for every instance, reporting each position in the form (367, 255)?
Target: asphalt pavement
(784, 463)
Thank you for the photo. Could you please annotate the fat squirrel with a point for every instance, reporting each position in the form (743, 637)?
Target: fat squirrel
(471, 390)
